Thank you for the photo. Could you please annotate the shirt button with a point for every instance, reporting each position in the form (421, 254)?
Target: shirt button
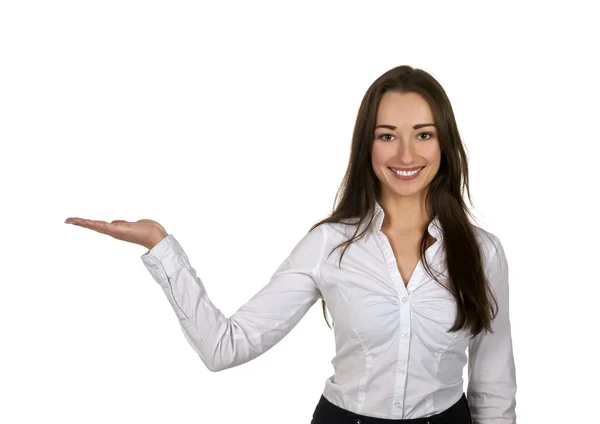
(397, 405)
(404, 335)
(401, 370)
(404, 299)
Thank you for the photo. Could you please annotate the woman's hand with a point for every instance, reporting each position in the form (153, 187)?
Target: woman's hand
(144, 232)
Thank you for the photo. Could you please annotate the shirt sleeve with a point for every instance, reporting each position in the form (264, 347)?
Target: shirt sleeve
(224, 342)
(492, 378)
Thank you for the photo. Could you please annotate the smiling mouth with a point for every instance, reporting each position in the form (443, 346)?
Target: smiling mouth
(410, 173)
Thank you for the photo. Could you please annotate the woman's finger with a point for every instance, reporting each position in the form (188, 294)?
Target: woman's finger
(96, 225)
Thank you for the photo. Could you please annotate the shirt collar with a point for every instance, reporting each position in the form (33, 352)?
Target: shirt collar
(434, 228)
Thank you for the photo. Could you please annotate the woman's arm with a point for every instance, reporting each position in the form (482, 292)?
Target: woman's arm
(259, 324)
(492, 380)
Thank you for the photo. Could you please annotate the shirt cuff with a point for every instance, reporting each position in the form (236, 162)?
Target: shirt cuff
(168, 253)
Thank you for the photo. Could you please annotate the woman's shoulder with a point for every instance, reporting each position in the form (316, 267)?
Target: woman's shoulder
(489, 243)
(344, 227)
(484, 236)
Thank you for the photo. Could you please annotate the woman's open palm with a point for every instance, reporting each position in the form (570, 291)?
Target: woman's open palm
(144, 232)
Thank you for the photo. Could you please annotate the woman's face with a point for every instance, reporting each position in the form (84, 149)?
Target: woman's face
(406, 141)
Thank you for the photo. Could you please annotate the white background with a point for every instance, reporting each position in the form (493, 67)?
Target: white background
(230, 124)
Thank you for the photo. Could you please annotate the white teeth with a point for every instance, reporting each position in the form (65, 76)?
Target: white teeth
(406, 173)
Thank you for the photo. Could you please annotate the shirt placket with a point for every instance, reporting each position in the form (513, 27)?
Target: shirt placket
(403, 325)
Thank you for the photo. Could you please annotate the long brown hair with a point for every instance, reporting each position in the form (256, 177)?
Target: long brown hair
(360, 189)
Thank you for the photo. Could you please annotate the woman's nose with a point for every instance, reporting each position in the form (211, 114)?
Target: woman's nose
(406, 153)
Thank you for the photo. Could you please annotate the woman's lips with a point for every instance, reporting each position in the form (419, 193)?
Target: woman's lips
(406, 177)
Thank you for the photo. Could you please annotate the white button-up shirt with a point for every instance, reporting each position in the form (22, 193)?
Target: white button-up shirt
(394, 357)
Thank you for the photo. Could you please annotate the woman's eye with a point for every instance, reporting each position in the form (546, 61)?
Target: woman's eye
(428, 134)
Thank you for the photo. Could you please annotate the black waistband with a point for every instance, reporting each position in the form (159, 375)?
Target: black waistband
(328, 413)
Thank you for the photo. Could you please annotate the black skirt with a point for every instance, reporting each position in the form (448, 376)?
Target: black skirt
(328, 413)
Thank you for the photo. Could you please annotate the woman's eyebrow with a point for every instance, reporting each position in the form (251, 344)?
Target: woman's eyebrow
(415, 127)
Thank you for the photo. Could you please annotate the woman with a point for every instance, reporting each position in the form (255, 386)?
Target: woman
(419, 288)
